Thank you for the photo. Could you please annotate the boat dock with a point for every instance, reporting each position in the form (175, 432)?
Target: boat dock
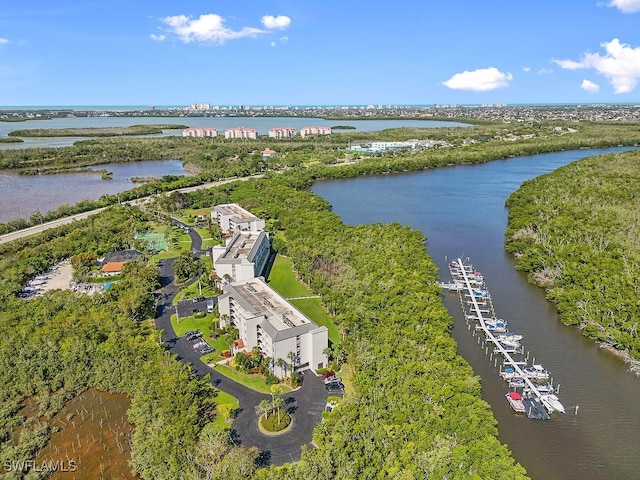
(538, 400)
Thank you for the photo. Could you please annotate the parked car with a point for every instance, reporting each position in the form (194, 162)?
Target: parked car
(192, 334)
(207, 349)
(333, 387)
(334, 378)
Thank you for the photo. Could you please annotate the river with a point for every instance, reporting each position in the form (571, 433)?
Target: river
(461, 211)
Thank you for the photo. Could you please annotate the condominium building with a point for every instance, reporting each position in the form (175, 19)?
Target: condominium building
(266, 320)
(241, 132)
(282, 132)
(315, 131)
(242, 258)
(231, 217)
(199, 132)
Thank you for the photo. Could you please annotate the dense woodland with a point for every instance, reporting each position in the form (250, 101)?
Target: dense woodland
(416, 411)
(576, 231)
(216, 158)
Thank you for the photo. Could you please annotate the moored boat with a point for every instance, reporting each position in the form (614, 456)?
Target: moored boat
(536, 372)
(515, 400)
(552, 403)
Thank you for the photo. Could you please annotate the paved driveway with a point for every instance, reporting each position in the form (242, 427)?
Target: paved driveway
(306, 404)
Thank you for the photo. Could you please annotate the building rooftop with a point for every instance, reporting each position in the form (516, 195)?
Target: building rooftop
(234, 210)
(281, 319)
(242, 246)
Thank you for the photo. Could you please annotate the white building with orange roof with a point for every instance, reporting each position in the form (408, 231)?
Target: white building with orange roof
(315, 130)
(199, 132)
(282, 132)
(241, 132)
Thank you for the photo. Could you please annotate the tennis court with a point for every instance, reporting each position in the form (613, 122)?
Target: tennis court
(155, 241)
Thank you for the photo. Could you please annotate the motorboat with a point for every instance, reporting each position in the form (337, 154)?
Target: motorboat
(516, 382)
(512, 337)
(496, 325)
(515, 400)
(536, 372)
(552, 403)
(508, 373)
(478, 293)
(508, 343)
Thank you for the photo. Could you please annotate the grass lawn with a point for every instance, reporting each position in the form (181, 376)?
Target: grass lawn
(283, 280)
(225, 404)
(254, 382)
(312, 308)
(346, 374)
(193, 323)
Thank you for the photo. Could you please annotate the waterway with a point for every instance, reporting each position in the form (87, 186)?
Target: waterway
(461, 211)
(261, 124)
(24, 195)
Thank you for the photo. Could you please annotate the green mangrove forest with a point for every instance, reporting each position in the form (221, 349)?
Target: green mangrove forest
(416, 409)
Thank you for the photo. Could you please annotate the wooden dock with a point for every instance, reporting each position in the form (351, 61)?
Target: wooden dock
(477, 306)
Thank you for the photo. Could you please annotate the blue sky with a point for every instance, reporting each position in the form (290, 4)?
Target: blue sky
(312, 52)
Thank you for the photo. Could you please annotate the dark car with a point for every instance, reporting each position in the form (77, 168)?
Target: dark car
(207, 349)
(334, 387)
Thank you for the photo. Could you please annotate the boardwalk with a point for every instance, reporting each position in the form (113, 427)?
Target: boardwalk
(478, 307)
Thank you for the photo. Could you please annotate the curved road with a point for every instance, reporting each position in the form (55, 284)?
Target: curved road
(306, 404)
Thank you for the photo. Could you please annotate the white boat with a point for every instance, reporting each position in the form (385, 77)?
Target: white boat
(536, 372)
(496, 325)
(516, 382)
(508, 373)
(508, 343)
(552, 403)
(515, 400)
(513, 337)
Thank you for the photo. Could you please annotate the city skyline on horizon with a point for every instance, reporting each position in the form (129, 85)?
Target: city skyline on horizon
(299, 53)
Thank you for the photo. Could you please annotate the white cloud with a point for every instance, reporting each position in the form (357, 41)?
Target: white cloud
(589, 86)
(208, 28)
(526, 69)
(545, 71)
(3, 40)
(158, 38)
(480, 80)
(281, 22)
(625, 6)
(284, 39)
(567, 64)
(620, 65)
(273, 44)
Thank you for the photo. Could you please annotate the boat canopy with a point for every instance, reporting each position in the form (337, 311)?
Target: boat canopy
(515, 396)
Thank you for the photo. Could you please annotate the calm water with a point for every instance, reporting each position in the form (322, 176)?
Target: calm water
(261, 124)
(461, 211)
(25, 195)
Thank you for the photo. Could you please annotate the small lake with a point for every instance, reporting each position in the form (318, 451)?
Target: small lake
(24, 195)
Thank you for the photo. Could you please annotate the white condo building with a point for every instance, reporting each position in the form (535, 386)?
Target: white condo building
(199, 132)
(266, 320)
(231, 217)
(242, 258)
(315, 131)
(241, 132)
(282, 132)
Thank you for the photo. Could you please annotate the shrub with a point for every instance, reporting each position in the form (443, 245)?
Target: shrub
(270, 421)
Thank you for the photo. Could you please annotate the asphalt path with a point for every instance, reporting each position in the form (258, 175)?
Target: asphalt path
(305, 404)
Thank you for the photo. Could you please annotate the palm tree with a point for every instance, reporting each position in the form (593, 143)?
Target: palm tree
(281, 363)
